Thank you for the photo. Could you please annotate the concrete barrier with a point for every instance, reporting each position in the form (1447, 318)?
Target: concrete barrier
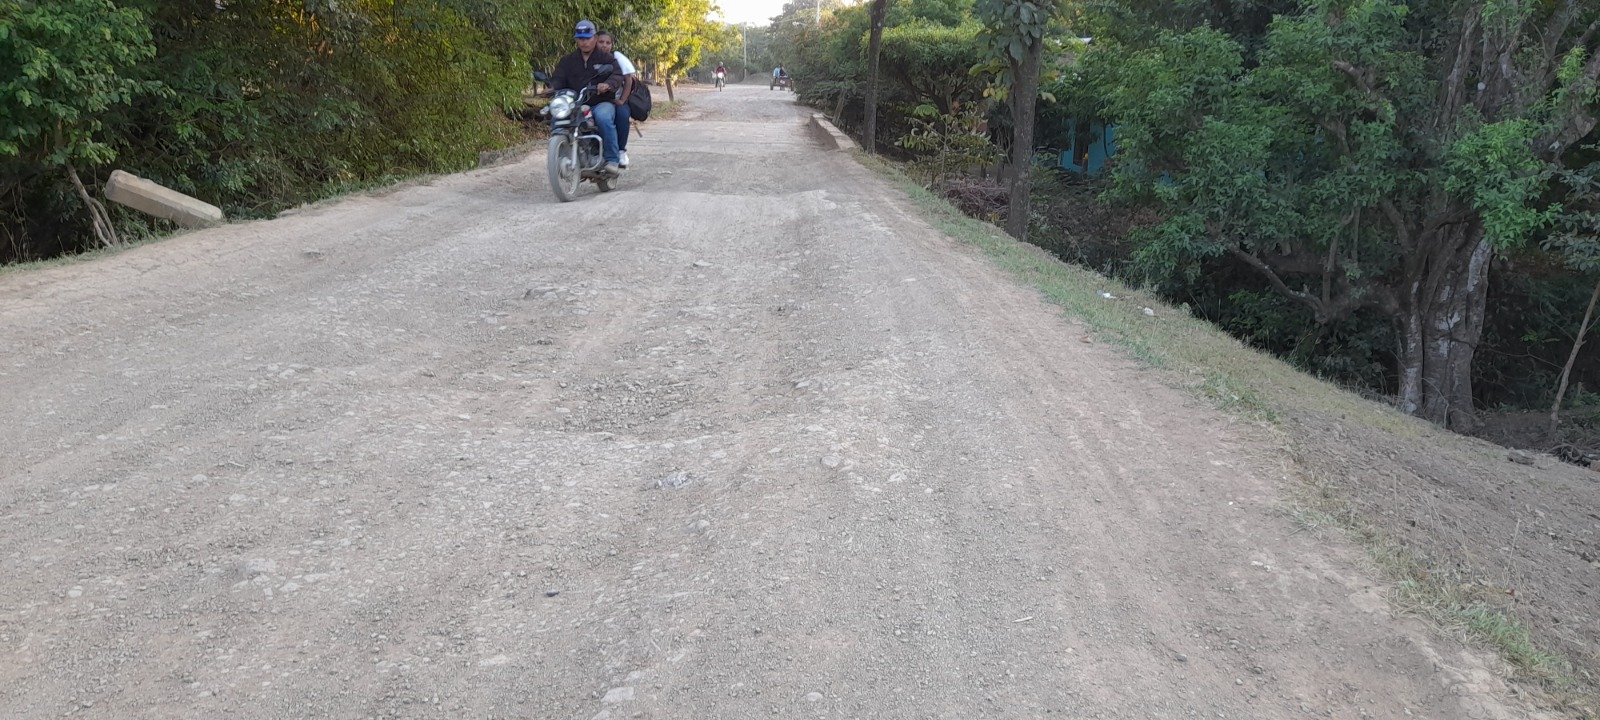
(830, 136)
(150, 198)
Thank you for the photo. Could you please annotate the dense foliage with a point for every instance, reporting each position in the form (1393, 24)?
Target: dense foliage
(1376, 189)
(256, 105)
(1367, 156)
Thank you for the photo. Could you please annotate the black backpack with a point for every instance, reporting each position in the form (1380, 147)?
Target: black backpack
(639, 102)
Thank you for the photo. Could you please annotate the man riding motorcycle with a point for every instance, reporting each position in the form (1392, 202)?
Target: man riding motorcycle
(722, 73)
(579, 68)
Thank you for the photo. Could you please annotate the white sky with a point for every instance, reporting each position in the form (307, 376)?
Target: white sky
(750, 11)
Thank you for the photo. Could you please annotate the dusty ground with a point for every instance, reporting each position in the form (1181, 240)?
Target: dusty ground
(763, 444)
(1517, 531)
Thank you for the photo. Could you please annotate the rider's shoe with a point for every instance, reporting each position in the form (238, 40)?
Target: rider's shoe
(613, 169)
(624, 162)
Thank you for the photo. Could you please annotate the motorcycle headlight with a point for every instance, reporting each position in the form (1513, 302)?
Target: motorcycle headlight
(561, 107)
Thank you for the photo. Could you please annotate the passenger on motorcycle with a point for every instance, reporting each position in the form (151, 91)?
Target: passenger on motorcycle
(576, 70)
(607, 43)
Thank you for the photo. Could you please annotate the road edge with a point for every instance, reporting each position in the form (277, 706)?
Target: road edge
(830, 136)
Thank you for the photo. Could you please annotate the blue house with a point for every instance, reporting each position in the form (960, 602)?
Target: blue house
(1092, 144)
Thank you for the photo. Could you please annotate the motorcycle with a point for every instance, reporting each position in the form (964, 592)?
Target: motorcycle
(721, 81)
(577, 153)
(780, 81)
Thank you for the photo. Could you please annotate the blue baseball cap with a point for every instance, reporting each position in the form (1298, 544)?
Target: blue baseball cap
(585, 29)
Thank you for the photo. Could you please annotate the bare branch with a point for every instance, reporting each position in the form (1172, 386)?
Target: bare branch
(104, 230)
(1250, 259)
(1454, 92)
(1560, 22)
(1402, 231)
(1365, 78)
(1540, 80)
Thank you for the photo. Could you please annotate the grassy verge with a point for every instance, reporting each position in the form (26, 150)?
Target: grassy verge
(1199, 357)
(128, 243)
(666, 109)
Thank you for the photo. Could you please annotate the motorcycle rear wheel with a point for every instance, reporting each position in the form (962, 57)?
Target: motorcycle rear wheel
(563, 166)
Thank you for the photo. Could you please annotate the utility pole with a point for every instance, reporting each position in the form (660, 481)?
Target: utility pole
(744, 42)
(819, 12)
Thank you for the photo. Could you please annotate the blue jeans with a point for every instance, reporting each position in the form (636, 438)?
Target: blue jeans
(605, 116)
(624, 119)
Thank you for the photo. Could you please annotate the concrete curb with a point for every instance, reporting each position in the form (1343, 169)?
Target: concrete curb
(830, 136)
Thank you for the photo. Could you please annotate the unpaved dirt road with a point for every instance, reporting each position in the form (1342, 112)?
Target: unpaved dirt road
(763, 445)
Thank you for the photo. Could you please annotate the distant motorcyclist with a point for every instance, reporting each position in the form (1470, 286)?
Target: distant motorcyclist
(721, 73)
(581, 67)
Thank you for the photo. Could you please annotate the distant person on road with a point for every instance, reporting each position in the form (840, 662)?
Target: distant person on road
(581, 67)
(778, 72)
(607, 43)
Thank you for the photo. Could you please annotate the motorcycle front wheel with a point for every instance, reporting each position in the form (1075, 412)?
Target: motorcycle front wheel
(563, 161)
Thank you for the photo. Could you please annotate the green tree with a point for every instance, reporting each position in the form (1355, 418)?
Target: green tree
(679, 34)
(941, 13)
(934, 63)
(799, 28)
(1015, 30)
(1362, 155)
(878, 10)
(62, 64)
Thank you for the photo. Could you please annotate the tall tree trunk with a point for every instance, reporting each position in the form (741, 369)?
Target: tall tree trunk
(880, 8)
(1572, 358)
(1441, 321)
(670, 98)
(1024, 98)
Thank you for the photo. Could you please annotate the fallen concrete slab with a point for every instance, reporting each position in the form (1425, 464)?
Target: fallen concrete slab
(153, 199)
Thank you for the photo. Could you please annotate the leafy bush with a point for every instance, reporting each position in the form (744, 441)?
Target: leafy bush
(255, 106)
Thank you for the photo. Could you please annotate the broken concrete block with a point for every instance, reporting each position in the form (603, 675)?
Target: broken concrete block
(153, 199)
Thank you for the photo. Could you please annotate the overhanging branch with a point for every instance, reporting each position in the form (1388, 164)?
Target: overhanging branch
(1341, 299)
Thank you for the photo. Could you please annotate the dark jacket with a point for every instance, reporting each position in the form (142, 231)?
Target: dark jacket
(573, 73)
